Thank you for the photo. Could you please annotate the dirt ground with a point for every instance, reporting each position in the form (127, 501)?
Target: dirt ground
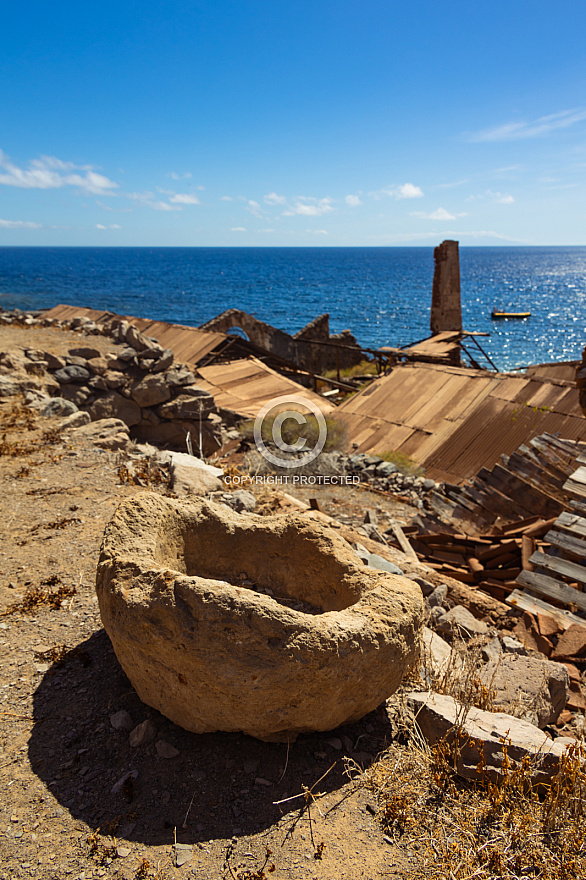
(66, 811)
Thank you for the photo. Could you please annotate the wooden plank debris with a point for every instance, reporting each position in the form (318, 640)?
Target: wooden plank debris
(522, 600)
(560, 566)
(548, 586)
(403, 540)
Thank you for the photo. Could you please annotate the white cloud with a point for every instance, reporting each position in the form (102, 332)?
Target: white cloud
(111, 226)
(438, 214)
(403, 191)
(148, 198)
(515, 131)
(353, 201)
(174, 176)
(19, 224)
(48, 172)
(408, 191)
(254, 208)
(184, 199)
(226, 199)
(501, 198)
(308, 206)
(274, 199)
(238, 229)
(498, 198)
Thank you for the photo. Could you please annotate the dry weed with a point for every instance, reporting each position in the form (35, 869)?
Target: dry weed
(42, 596)
(145, 472)
(508, 829)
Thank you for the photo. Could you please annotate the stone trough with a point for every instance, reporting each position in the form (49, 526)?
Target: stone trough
(267, 625)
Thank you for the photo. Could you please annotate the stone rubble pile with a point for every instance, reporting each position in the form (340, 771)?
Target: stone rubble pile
(141, 384)
(388, 477)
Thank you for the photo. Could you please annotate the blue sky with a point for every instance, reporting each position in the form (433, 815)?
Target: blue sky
(293, 123)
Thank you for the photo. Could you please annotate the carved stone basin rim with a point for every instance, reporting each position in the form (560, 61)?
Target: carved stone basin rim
(183, 593)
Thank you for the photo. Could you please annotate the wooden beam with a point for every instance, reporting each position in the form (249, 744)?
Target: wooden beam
(548, 586)
(403, 540)
(521, 599)
(568, 543)
(560, 566)
(571, 522)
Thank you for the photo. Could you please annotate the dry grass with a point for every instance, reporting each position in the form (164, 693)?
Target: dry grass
(456, 829)
(291, 431)
(42, 596)
(512, 828)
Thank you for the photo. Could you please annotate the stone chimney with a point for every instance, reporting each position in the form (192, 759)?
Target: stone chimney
(446, 311)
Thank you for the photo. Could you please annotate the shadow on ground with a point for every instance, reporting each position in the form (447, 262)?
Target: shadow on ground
(219, 786)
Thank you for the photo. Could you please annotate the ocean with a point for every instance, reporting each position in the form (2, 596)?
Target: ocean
(383, 295)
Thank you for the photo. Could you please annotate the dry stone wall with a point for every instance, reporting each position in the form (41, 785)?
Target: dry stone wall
(141, 384)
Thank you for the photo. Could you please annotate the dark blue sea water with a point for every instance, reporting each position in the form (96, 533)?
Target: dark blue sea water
(382, 294)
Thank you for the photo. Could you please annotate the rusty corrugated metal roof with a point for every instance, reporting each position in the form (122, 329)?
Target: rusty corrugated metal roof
(454, 420)
(244, 386)
(189, 344)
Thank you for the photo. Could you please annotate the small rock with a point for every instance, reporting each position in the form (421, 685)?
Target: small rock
(335, 743)
(460, 622)
(240, 500)
(121, 720)
(261, 781)
(572, 643)
(132, 774)
(142, 734)
(528, 687)
(250, 766)
(491, 650)
(182, 854)
(165, 749)
(123, 851)
(75, 420)
(513, 645)
(438, 597)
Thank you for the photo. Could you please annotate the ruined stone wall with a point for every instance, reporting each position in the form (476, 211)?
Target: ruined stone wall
(298, 348)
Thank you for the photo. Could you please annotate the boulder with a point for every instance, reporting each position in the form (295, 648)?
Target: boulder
(179, 375)
(114, 379)
(191, 475)
(458, 622)
(164, 362)
(98, 365)
(72, 375)
(114, 406)
(150, 391)
(484, 733)
(188, 406)
(53, 361)
(58, 406)
(105, 433)
(75, 420)
(78, 394)
(183, 594)
(528, 687)
(86, 353)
